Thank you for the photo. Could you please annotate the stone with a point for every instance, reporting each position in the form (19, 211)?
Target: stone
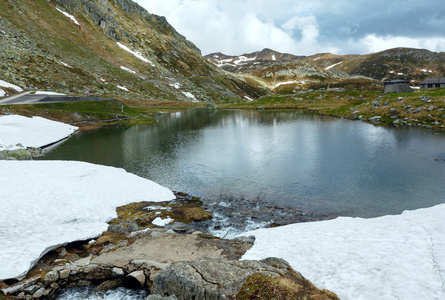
(431, 108)
(51, 277)
(393, 111)
(212, 278)
(64, 274)
(132, 227)
(19, 154)
(39, 293)
(117, 272)
(117, 229)
(134, 280)
(376, 103)
(419, 109)
(399, 122)
(375, 119)
(211, 106)
(247, 239)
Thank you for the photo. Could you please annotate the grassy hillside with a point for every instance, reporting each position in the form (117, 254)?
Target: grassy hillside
(42, 48)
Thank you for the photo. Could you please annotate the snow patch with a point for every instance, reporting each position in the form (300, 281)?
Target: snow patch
(248, 98)
(65, 64)
(190, 96)
(71, 17)
(46, 204)
(122, 88)
(128, 70)
(273, 57)
(31, 132)
(331, 66)
(242, 60)
(162, 222)
(284, 83)
(2, 93)
(49, 93)
(11, 86)
(152, 207)
(175, 85)
(390, 257)
(137, 54)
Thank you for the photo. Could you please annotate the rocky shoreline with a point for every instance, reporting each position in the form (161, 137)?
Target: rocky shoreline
(177, 261)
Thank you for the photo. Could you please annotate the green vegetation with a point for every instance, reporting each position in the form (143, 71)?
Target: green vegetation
(92, 114)
(354, 103)
(282, 288)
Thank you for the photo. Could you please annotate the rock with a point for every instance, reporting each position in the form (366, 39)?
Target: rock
(399, 122)
(431, 108)
(132, 227)
(393, 111)
(39, 293)
(117, 229)
(109, 285)
(134, 280)
(64, 274)
(211, 106)
(419, 109)
(247, 239)
(19, 154)
(376, 103)
(51, 277)
(375, 119)
(212, 278)
(117, 272)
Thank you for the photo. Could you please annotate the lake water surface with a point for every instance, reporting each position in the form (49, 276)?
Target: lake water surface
(295, 159)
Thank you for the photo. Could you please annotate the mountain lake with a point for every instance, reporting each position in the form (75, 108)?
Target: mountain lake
(294, 159)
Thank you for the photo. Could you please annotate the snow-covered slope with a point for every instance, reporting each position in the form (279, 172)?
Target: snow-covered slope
(31, 132)
(45, 204)
(390, 257)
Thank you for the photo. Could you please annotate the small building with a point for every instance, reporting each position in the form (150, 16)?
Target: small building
(432, 83)
(397, 86)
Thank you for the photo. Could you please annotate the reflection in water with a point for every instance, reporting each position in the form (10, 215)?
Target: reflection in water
(294, 159)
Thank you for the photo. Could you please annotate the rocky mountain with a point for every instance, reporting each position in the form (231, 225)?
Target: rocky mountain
(107, 48)
(398, 63)
(289, 73)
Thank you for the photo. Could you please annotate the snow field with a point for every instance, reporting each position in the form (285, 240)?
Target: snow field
(31, 132)
(390, 257)
(46, 204)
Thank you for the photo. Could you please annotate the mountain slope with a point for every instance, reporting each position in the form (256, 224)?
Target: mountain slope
(287, 73)
(107, 48)
(329, 70)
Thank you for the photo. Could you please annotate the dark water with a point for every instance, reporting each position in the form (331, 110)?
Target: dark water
(294, 159)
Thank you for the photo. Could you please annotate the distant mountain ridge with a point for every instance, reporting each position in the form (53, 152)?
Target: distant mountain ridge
(410, 64)
(107, 48)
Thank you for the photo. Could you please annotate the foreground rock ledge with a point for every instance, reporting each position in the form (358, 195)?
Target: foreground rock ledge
(170, 266)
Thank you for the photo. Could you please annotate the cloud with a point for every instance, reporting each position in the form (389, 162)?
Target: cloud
(376, 43)
(305, 27)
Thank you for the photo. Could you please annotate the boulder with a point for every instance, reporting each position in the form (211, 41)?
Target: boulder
(375, 119)
(212, 278)
(417, 110)
(134, 280)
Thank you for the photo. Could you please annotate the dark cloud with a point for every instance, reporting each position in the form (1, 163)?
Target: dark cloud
(306, 27)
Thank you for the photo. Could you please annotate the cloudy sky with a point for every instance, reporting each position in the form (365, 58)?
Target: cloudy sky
(305, 27)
